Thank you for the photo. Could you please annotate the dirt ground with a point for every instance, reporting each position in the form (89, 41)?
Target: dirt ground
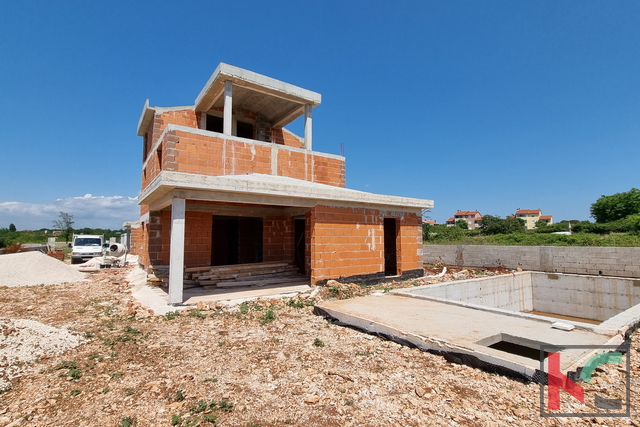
(268, 363)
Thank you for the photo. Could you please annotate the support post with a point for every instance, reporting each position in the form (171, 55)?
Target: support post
(307, 127)
(228, 105)
(176, 251)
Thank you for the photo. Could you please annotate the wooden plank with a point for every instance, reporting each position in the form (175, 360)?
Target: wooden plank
(246, 273)
(269, 275)
(196, 269)
(258, 283)
(235, 266)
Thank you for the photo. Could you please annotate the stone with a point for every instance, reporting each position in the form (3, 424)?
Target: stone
(311, 399)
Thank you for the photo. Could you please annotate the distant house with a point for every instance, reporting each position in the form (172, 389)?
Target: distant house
(472, 219)
(424, 221)
(531, 216)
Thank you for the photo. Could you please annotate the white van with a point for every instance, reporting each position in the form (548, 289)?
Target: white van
(85, 247)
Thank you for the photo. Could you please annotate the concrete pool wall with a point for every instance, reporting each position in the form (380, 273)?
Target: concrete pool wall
(599, 298)
(498, 322)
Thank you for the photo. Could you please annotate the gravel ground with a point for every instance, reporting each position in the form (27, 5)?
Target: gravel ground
(35, 268)
(24, 341)
(267, 363)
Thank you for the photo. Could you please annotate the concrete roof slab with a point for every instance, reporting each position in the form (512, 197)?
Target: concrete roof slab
(280, 102)
(274, 190)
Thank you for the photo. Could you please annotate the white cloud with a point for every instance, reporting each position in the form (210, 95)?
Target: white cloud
(88, 211)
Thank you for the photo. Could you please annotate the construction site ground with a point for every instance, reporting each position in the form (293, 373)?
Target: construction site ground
(264, 363)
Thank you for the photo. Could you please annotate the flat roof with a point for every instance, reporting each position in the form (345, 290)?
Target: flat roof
(279, 102)
(266, 189)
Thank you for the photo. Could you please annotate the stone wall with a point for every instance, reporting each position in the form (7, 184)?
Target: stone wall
(605, 261)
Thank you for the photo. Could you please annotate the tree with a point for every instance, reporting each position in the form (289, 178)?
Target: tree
(617, 206)
(495, 225)
(64, 223)
(540, 224)
(12, 227)
(461, 223)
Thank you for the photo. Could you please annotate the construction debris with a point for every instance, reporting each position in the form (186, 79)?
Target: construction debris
(35, 268)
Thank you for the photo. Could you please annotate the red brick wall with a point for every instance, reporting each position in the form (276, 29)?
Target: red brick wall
(278, 234)
(197, 239)
(277, 237)
(349, 242)
(341, 242)
(283, 136)
(410, 243)
(210, 155)
(345, 242)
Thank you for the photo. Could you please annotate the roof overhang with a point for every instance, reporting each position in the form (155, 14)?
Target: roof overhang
(279, 102)
(145, 118)
(268, 190)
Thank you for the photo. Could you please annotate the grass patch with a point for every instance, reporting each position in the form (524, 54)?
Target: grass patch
(197, 313)
(318, 342)
(180, 396)
(127, 422)
(129, 330)
(268, 317)
(66, 364)
(171, 315)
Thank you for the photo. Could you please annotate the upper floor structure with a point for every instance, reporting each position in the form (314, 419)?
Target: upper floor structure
(236, 127)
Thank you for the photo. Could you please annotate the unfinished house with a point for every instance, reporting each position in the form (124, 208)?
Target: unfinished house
(224, 183)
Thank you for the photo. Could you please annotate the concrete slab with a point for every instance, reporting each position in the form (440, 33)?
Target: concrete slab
(156, 299)
(464, 332)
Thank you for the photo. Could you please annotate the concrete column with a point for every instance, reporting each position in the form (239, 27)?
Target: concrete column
(228, 104)
(176, 251)
(307, 127)
(203, 120)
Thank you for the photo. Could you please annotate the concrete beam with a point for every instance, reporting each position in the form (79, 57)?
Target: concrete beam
(288, 117)
(176, 251)
(246, 211)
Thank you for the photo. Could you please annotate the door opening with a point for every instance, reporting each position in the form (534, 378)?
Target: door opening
(390, 237)
(236, 240)
(299, 245)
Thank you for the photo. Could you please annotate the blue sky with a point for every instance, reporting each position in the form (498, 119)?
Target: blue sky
(487, 105)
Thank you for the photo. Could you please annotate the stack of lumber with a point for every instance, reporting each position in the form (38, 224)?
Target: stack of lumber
(255, 274)
(160, 277)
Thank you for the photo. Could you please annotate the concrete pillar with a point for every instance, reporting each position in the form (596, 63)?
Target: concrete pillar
(51, 243)
(176, 251)
(228, 105)
(307, 127)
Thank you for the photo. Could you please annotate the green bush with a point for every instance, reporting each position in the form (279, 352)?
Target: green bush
(490, 225)
(531, 238)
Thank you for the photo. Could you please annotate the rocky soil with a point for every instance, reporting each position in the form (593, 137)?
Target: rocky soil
(268, 363)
